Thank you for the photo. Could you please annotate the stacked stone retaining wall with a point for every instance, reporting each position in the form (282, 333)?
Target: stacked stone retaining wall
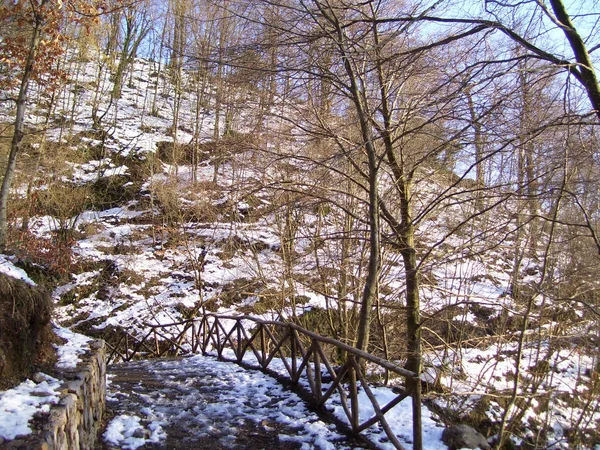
(73, 423)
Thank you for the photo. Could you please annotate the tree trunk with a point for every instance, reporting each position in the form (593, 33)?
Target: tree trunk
(478, 143)
(413, 330)
(371, 287)
(585, 66)
(405, 232)
(17, 138)
(123, 59)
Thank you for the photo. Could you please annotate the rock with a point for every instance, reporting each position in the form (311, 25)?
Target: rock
(40, 377)
(75, 386)
(139, 433)
(98, 344)
(464, 436)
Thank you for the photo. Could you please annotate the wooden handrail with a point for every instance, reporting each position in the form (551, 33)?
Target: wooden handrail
(301, 352)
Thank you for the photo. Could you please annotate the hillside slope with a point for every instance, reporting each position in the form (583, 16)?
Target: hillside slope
(141, 224)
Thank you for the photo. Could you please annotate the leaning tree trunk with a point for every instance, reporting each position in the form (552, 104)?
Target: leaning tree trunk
(371, 288)
(584, 71)
(17, 138)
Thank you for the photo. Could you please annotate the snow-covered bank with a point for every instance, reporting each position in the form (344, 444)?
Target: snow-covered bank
(34, 398)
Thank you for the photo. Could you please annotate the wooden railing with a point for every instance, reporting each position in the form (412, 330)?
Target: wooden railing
(302, 353)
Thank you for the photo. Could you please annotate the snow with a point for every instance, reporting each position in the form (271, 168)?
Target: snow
(19, 405)
(69, 353)
(126, 432)
(94, 170)
(211, 398)
(8, 268)
(155, 273)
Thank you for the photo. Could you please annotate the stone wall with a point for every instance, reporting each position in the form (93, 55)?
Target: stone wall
(74, 422)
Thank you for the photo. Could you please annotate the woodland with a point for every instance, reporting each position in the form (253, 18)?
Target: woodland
(418, 179)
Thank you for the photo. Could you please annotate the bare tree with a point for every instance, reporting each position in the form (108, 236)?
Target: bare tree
(42, 21)
(136, 26)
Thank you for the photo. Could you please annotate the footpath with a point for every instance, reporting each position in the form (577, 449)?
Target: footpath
(201, 403)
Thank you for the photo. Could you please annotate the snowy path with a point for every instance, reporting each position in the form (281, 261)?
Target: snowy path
(201, 403)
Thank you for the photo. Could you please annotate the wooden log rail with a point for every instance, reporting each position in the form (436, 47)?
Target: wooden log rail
(302, 353)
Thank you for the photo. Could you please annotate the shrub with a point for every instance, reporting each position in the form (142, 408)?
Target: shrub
(51, 257)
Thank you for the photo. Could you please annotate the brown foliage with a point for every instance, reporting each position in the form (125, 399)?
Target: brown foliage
(17, 20)
(53, 255)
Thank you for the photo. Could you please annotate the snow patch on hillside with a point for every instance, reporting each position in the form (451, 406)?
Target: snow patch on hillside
(8, 268)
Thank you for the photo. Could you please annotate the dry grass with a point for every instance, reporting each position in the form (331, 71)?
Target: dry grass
(25, 334)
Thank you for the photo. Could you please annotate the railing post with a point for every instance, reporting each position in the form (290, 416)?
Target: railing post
(194, 341)
(156, 347)
(354, 397)
(204, 334)
(178, 343)
(293, 351)
(263, 346)
(220, 345)
(317, 365)
(416, 413)
(239, 341)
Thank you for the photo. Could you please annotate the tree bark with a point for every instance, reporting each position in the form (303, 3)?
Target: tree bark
(585, 66)
(371, 287)
(19, 123)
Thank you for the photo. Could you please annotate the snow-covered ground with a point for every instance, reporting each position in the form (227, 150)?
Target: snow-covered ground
(19, 405)
(199, 399)
(8, 268)
(134, 264)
